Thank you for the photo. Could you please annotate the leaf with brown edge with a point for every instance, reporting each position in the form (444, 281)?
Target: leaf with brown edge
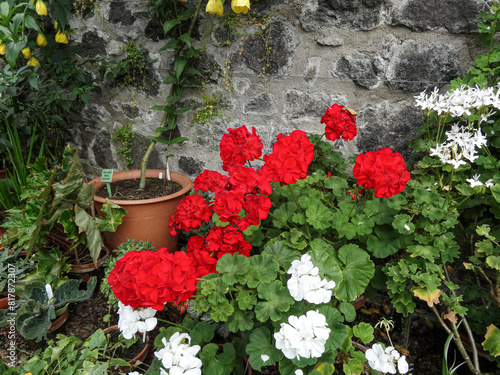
(431, 297)
(492, 342)
(451, 316)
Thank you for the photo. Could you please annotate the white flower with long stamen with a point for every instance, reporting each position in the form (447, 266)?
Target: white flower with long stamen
(474, 181)
(304, 336)
(305, 283)
(178, 356)
(132, 321)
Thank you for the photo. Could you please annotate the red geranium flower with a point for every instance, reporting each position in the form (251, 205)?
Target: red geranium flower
(210, 181)
(239, 146)
(228, 205)
(383, 170)
(192, 211)
(290, 158)
(227, 240)
(339, 123)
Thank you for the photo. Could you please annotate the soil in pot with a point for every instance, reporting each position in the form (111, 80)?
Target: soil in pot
(128, 189)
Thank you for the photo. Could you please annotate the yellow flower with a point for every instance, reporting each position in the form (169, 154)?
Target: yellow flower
(33, 62)
(26, 52)
(56, 25)
(41, 41)
(215, 7)
(61, 38)
(2, 49)
(240, 6)
(41, 8)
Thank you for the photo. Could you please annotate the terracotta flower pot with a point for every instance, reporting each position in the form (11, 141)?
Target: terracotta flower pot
(146, 218)
(139, 357)
(60, 320)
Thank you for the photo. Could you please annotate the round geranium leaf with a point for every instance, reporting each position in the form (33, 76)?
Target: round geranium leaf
(231, 266)
(364, 332)
(261, 343)
(357, 269)
(321, 258)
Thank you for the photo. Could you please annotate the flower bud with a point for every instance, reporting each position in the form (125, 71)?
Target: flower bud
(2, 49)
(33, 62)
(56, 25)
(26, 52)
(41, 41)
(240, 6)
(61, 38)
(215, 7)
(41, 8)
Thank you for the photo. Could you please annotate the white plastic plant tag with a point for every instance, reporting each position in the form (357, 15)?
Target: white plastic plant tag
(168, 172)
(160, 176)
(48, 290)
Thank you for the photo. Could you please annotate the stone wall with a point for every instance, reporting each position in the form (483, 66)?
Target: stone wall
(277, 71)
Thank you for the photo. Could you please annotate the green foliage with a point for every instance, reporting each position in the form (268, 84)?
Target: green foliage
(125, 136)
(47, 202)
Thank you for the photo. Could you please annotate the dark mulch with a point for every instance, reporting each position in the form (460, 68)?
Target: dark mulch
(128, 189)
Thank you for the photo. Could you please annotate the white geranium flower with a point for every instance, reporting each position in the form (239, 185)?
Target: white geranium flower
(178, 357)
(132, 321)
(303, 336)
(134, 373)
(474, 181)
(305, 283)
(299, 372)
(489, 183)
(385, 360)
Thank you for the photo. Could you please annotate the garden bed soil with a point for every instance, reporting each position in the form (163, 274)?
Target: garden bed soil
(128, 189)
(419, 334)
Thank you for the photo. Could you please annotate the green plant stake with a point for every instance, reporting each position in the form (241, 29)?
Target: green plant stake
(107, 177)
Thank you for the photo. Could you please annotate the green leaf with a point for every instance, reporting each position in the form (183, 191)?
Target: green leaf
(277, 300)
(86, 224)
(168, 25)
(364, 332)
(232, 266)
(174, 43)
(97, 340)
(319, 217)
(284, 214)
(179, 65)
(264, 269)
(260, 342)
(354, 366)
(201, 333)
(240, 320)
(221, 311)
(282, 253)
(495, 191)
(348, 310)
(188, 13)
(113, 216)
(493, 261)
(326, 264)
(426, 252)
(337, 185)
(186, 38)
(492, 341)
(61, 11)
(12, 51)
(357, 270)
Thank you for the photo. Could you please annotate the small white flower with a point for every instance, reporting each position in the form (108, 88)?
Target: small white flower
(299, 372)
(264, 358)
(489, 183)
(402, 365)
(178, 357)
(132, 321)
(474, 181)
(385, 360)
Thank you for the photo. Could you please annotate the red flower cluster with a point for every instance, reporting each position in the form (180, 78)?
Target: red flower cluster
(192, 211)
(239, 146)
(153, 278)
(339, 123)
(218, 242)
(210, 181)
(382, 170)
(290, 158)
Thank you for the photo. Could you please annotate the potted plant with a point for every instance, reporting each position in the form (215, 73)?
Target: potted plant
(147, 218)
(57, 208)
(12, 267)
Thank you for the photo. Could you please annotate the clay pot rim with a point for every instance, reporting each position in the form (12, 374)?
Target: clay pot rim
(180, 178)
(89, 267)
(60, 320)
(143, 352)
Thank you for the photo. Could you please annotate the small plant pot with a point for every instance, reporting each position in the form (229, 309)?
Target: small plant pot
(146, 219)
(82, 269)
(138, 358)
(56, 324)
(4, 302)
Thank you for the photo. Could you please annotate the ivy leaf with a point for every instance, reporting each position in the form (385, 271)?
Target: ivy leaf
(97, 340)
(357, 270)
(113, 216)
(260, 342)
(277, 300)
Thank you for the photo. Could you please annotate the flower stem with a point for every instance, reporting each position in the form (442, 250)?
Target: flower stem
(174, 324)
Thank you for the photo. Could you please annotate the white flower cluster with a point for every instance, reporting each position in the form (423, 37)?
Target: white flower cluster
(178, 357)
(305, 282)
(385, 360)
(459, 102)
(474, 181)
(304, 336)
(461, 144)
(132, 321)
